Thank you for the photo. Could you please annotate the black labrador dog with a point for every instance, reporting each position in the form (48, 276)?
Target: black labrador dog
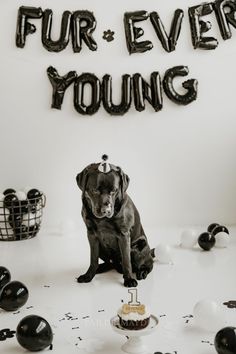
(113, 224)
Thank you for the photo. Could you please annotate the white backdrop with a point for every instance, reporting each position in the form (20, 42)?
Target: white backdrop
(181, 161)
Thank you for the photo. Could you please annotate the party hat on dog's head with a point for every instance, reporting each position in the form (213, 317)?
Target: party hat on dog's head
(104, 166)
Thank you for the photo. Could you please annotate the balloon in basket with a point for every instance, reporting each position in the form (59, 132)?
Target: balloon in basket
(13, 296)
(34, 333)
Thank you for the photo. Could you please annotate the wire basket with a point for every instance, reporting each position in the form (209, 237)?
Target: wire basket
(20, 219)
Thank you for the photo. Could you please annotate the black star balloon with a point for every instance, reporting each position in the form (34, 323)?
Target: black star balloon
(212, 226)
(34, 333)
(5, 277)
(225, 341)
(13, 296)
(206, 241)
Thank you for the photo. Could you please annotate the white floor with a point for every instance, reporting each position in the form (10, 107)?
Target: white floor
(49, 264)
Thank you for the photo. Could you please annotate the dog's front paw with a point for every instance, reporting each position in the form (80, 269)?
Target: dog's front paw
(130, 283)
(85, 278)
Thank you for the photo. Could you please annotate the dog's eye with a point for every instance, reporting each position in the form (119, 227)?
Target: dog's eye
(95, 191)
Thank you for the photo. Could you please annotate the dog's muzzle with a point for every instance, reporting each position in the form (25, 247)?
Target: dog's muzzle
(104, 212)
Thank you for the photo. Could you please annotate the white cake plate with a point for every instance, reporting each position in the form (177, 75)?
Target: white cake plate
(134, 344)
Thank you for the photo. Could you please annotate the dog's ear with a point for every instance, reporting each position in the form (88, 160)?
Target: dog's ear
(140, 243)
(81, 179)
(124, 181)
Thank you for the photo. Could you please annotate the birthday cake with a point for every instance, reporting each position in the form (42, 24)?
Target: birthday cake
(133, 317)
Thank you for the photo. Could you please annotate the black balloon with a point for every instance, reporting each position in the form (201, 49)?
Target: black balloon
(220, 228)
(34, 195)
(62, 42)
(206, 241)
(59, 84)
(81, 32)
(13, 296)
(10, 201)
(34, 333)
(80, 82)
(225, 341)
(132, 33)
(212, 226)
(5, 277)
(23, 26)
(225, 18)
(168, 42)
(189, 85)
(198, 27)
(126, 99)
(9, 191)
(151, 92)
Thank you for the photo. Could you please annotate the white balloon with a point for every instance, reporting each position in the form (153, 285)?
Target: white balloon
(29, 219)
(163, 254)
(222, 240)
(208, 315)
(21, 195)
(188, 238)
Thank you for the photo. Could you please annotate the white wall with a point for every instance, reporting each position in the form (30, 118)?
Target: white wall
(181, 161)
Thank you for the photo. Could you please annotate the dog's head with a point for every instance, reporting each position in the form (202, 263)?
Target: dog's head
(102, 191)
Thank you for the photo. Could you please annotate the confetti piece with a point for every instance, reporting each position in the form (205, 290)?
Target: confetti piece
(230, 304)
(29, 307)
(162, 315)
(15, 313)
(75, 327)
(101, 310)
(85, 317)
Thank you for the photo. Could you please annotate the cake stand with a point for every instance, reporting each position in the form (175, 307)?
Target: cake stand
(134, 344)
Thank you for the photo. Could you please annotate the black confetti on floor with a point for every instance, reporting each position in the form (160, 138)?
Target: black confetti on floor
(6, 333)
(121, 300)
(101, 310)
(80, 338)
(29, 307)
(231, 304)
(85, 317)
(108, 35)
(15, 313)
(162, 315)
(187, 321)
(46, 286)
(75, 327)
(188, 316)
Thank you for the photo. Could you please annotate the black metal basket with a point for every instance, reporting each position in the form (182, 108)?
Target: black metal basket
(21, 219)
